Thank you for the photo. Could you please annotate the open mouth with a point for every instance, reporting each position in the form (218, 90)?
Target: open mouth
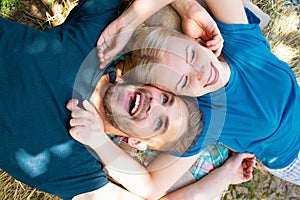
(213, 77)
(134, 103)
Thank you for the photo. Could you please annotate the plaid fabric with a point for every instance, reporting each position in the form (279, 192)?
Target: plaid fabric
(210, 158)
(290, 173)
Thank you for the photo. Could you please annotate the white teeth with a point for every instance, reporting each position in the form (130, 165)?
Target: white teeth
(137, 103)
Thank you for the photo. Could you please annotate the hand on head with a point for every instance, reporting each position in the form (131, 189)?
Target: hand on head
(86, 123)
(112, 40)
(197, 23)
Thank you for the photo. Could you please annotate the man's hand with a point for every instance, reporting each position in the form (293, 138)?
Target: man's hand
(240, 167)
(87, 125)
(197, 23)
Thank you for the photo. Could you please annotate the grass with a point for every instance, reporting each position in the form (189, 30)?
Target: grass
(8, 6)
(283, 32)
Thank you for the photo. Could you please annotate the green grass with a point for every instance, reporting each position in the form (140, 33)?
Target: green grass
(8, 7)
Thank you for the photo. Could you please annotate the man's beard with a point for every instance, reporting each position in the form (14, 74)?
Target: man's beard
(116, 119)
(108, 108)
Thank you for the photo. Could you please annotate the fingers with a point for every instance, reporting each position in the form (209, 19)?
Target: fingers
(103, 52)
(72, 105)
(80, 122)
(77, 112)
(89, 106)
(75, 134)
(215, 44)
(248, 163)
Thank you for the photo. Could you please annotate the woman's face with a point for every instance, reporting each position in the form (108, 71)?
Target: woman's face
(187, 68)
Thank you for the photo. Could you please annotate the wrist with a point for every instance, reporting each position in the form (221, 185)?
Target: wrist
(130, 19)
(182, 6)
(225, 174)
(140, 11)
(96, 139)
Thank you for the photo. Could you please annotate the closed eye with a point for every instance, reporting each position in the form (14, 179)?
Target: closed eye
(184, 81)
(190, 54)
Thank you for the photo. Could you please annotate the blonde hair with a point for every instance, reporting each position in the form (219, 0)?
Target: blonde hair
(149, 45)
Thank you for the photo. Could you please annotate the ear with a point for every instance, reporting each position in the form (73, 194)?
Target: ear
(137, 143)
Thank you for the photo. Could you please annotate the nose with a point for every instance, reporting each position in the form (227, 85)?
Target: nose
(156, 107)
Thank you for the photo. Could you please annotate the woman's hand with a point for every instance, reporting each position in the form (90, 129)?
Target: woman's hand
(240, 167)
(197, 23)
(112, 40)
(87, 125)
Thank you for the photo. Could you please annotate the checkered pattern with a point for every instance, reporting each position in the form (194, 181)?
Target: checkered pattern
(210, 158)
(290, 173)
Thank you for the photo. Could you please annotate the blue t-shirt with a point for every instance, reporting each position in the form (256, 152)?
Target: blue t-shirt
(37, 74)
(258, 109)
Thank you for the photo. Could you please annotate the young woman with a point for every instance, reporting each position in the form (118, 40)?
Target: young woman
(249, 98)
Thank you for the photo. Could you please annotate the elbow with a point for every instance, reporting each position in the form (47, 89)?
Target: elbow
(148, 191)
(153, 193)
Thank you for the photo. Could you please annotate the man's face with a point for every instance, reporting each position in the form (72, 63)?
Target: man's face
(146, 111)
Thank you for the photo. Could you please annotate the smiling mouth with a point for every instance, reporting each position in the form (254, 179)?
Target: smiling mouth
(213, 77)
(134, 103)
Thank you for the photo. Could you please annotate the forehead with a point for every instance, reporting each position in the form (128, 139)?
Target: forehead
(177, 44)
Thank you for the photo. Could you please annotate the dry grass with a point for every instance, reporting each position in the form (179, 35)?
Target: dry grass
(283, 33)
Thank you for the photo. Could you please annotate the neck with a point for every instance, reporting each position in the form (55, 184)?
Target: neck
(97, 100)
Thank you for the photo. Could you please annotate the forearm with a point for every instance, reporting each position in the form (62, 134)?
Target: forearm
(110, 190)
(208, 187)
(152, 183)
(87, 127)
(229, 12)
(123, 168)
(181, 6)
(141, 10)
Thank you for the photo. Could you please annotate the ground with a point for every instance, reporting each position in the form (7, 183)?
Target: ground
(283, 33)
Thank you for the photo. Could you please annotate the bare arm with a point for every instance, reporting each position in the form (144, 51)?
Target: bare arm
(150, 183)
(197, 23)
(114, 38)
(229, 11)
(236, 170)
(117, 34)
(110, 190)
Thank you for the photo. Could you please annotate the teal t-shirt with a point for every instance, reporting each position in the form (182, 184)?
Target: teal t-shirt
(37, 74)
(258, 109)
